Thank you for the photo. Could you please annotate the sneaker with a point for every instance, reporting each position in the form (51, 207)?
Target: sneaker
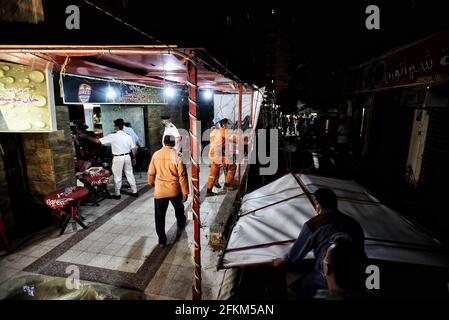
(217, 185)
(162, 245)
(135, 194)
(116, 196)
(209, 193)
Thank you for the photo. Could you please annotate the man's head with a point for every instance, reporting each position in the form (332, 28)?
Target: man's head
(216, 122)
(165, 121)
(343, 265)
(326, 200)
(169, 141)
(119, 123)
(82, 127)
(224, 123)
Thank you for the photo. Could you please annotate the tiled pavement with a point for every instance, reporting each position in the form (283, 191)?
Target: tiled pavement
(120, 249)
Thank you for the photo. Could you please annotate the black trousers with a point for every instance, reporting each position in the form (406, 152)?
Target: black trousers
(160, 206)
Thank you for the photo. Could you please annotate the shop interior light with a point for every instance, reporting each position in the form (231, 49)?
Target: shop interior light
(110, 93)
(170, 66)
(169, 92)
(208, 94)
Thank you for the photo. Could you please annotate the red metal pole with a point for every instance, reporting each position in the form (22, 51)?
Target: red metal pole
(240, 157)
(194, 134)
(251, 109)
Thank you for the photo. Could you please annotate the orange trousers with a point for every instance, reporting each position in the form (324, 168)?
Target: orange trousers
(229, 170)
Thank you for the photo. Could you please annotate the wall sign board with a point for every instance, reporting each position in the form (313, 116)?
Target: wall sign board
(26, 99)
(81, 90)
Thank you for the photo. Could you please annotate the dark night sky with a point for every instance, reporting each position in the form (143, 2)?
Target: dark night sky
(326, 36)
(329, 33)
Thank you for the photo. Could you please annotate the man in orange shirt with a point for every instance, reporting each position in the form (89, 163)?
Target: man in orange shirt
(219, 158)
(168, 174)
(214, 131)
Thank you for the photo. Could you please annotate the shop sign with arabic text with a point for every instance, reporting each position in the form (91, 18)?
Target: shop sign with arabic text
(26, 99)
(425, 62)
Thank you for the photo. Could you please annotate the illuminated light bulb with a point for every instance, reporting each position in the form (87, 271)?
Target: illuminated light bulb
(110, 93)
(169, 92)
(208, 94)
(170, 65)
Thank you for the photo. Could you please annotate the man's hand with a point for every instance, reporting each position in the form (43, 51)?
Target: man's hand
(278, 262)
(184, 198)
(134, 161)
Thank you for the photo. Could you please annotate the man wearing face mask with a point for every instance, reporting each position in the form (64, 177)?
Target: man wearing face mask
(316, 235)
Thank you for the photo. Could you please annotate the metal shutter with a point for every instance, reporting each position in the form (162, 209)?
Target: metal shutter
(435, 164)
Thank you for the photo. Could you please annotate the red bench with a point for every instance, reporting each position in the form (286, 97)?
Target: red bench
(96, 183)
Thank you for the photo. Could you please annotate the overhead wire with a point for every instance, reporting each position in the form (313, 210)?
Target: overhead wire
(200, 60)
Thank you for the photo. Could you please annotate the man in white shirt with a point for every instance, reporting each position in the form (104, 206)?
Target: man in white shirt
(128, 130)
(121, 146)
(170, 130)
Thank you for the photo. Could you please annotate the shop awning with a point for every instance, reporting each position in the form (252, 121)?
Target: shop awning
(271, 218)
(152, 65)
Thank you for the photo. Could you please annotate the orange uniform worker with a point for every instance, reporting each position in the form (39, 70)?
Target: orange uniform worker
(220, 158)
(214, 130)
(168, 174)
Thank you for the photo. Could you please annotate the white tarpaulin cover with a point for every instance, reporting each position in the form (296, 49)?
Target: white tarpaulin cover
(272, 216)
(226, 106)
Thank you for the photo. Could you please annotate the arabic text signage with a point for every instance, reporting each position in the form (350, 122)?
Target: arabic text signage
(80, 90)
(423, 63)
(26, 99)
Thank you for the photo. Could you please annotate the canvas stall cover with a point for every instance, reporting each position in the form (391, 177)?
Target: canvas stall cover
(226, 106)
(272, 216)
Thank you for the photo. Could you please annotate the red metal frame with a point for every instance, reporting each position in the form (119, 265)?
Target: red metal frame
(306, 191)
(194, 134)
(272, 204)
(251, 109)
(260, 245)
(240, 157)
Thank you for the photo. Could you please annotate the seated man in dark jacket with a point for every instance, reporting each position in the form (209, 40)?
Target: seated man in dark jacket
(316, 235)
